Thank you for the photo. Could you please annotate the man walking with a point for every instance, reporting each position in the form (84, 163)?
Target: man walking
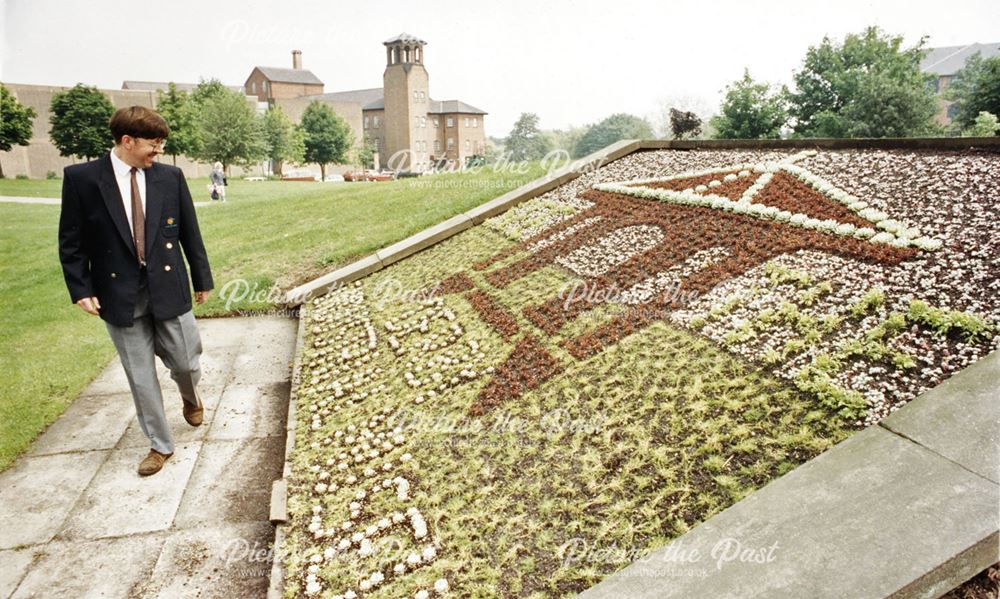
(124, 221)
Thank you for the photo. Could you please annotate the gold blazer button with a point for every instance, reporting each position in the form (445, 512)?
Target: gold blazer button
(170, 246)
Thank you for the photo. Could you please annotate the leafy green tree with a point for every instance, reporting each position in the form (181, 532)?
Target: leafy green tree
(15, 122)
(868, 86)
(230, 131)
(285, 141)
(976, 89)
(365, 154)
(985, 125)
(684, 122)
(751, 110)
(80, 122)
(328, 138)
(565, 139)
(614, 128)
(182, 117)
(526, 141)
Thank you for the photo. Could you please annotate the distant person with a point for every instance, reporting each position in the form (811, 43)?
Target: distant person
(218, 182)
(124, 221)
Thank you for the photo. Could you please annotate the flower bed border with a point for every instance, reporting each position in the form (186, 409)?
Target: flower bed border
(301, 295)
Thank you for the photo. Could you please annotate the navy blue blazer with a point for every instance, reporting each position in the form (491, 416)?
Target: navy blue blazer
(98, 254)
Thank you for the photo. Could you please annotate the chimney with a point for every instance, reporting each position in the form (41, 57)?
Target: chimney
(297, 59)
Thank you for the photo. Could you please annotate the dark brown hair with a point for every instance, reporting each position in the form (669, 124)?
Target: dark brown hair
(138, 121)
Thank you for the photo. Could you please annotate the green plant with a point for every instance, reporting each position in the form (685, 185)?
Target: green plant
(869, 302)
(51, 175)
(943, 322)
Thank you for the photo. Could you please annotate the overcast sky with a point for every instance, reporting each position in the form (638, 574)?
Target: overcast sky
(572, 63)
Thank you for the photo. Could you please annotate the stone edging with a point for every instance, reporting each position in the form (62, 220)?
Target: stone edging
(279, 488)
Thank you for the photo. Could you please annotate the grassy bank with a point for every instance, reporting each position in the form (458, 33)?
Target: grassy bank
(268, 233)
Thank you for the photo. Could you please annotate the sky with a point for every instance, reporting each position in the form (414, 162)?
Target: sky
(571, 62)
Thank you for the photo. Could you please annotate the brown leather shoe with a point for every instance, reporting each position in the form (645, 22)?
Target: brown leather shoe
(152, 463)
(194, 414)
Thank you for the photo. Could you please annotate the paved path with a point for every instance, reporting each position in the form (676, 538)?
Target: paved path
(904, 509)
(57, 201)
(77, 521)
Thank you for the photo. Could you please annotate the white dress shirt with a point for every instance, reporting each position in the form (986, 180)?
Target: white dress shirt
(123, 176)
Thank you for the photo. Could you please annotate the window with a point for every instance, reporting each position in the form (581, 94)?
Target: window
(376, 122)
(451, 142)
(253, 87)
(437, 122)
(475, 122)
(450, 122)
(466, 121)
(468, 145)
(366, 122)
(437, 145)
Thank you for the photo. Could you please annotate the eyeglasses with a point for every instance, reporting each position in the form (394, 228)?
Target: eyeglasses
(156, 144)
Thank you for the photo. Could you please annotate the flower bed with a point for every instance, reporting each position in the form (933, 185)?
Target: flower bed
(608, 365)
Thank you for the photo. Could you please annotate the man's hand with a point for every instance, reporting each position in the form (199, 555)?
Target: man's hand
(201, 296)
(90, 305)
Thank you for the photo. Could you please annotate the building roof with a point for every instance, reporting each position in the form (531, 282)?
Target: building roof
(282, 75)
(448, 106)
(951, 59)
(153, 86)
(405, 38)
(359, 96)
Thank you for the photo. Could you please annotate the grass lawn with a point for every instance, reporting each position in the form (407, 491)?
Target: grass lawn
(268, 233)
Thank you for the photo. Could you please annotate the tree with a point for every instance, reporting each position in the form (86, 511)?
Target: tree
(985, 125)
(684, 123)
(564, 139)
(15, 122)
(614, 128)
(328, 137)
(751, 110)
(869, 86)
(231, 132)
(526, 141)
(976, 89)
(684, 102)
(365, 154)
(80, 120)
(182, 117)
(285, 141)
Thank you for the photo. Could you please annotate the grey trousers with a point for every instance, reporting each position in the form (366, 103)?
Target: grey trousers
(177, 342)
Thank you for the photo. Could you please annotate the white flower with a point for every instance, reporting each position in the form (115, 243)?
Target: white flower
(701, 188)
(729, 177)
(429, 553)
(313, 587)
(928, 244)
(864, 232)
(441, 585)
(399, 568)
(798, 219)
(364, 585)
(421, 595)
(899, 242)
(845, 229)
(883, 237)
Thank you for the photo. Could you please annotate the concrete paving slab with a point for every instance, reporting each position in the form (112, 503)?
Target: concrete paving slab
(14, 565)
(38, 493)
(183, 433)
(109, 568)
(120, 502)
(252, 366)
(271, 333)
(860, 520)
(231, 482)
(89, 423)
(959, 419)
(111, 380)
(217, 562)
(219, 333)
(248, 411)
